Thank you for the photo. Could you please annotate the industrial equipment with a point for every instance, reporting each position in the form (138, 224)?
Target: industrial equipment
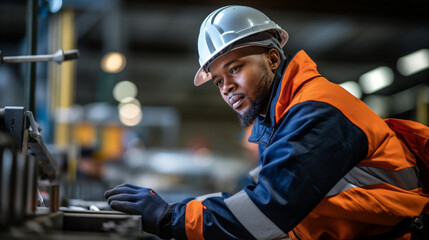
(26, 164)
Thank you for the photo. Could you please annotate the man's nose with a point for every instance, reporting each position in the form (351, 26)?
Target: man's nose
(229, 85)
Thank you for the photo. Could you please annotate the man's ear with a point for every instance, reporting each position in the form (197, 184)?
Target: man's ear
(274, 59)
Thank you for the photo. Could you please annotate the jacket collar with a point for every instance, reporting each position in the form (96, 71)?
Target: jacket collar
(267, 118)
(290, 76)
(299, 71)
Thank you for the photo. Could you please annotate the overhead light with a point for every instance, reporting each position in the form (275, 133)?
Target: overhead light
(113, 62)
(353, 88)
(413, 62)
(376, 79)
(123, 90)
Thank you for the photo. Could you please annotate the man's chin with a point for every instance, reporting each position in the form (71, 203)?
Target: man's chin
(241, 111)
(247, 118)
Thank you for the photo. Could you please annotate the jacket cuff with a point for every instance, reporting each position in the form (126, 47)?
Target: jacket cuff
(165, 224)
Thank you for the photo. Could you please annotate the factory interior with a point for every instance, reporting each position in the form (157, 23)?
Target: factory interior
(118, 104)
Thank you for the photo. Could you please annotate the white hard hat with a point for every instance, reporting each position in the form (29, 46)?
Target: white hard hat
(227, 25)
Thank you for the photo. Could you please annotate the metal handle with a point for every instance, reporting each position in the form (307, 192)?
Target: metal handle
(59, 56)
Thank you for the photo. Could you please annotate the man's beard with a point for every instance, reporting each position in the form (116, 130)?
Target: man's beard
(259, 104)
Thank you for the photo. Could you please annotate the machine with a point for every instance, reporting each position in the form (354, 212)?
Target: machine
(26, 165)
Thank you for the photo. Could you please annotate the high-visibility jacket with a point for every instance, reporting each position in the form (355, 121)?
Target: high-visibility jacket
(329, 168)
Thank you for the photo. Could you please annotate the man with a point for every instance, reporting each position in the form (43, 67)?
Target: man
(329, 167)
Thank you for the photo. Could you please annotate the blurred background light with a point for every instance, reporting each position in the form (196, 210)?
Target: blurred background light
(353, 88)
(55, 5)
(98, 112)
(376, 79)
(413, 62)
(129, 110)
(131, 121)
(129, 100)
(123, 90)
(113, 62)
(130, 114)
(203, 159)
(69, 115)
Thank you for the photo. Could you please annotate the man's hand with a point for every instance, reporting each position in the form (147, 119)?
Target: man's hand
(136, 200)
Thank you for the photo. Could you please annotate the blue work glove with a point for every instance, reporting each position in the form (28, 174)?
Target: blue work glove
(155, 212)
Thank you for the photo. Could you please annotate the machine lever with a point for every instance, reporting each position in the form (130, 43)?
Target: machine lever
(59, 56)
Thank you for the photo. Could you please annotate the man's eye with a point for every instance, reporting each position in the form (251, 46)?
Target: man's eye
(233, 69)
(218, 82)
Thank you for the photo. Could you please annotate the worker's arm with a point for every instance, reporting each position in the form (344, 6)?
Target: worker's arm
(314, 146)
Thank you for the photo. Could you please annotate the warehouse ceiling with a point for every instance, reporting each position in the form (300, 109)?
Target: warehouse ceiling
(345, 38)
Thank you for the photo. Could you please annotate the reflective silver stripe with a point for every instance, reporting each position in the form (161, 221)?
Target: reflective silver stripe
(341, 186)
(254, 174)
(204, 197)
(249, 215)
(362, 176)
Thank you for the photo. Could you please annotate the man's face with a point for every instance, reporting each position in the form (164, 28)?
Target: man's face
(244, 77)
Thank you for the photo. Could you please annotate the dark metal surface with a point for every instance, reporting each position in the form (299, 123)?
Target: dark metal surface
(31, 35)
(107, 221)
(36, 146)
(24, 131)
(14, 121)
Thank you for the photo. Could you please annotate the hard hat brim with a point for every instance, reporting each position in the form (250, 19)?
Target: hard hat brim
(201, 77)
